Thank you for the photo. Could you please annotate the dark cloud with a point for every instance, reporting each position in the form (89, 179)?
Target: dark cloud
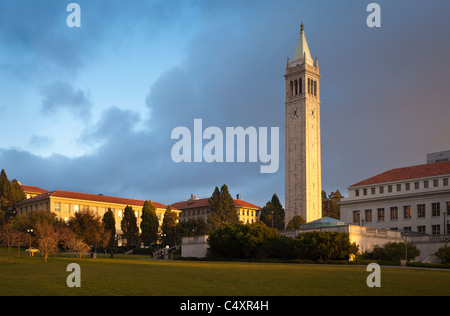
(383, 93)
(60, 95)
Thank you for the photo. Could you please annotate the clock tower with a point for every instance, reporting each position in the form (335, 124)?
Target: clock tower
(303, 181)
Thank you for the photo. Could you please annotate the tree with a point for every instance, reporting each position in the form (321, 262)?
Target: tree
(223, 209)
(296, 222)
(169, 226)
(324, 246)
(110, 226)
(78, 246)
(10, 193)
(89, 229)
(240, 240)
(194, 227)
(273, 214)
(7, 235)
(50, 235)
(130, 229)
(330, 204)
(443, 253)
(149, 224)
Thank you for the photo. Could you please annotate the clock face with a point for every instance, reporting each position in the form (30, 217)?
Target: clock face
(295, 113)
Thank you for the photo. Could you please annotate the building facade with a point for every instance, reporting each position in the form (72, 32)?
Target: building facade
(66, 204)
(415, 198)
(195, 208)
(303, 182)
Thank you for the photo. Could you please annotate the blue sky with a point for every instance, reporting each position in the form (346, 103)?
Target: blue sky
(91, 109)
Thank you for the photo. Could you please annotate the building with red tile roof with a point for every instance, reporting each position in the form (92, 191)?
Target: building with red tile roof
(199, 208)
(415, 198)
(65, 204)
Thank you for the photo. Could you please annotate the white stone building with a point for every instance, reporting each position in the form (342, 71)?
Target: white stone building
(415, 198)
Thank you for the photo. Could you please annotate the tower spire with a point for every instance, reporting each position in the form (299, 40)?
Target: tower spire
(302, 50)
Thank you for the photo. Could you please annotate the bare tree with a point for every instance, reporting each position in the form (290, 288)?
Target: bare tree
(78, 246)
(50, 236)
(7, 233)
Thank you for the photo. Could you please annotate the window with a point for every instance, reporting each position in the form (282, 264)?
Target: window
(296, 87)
(425, 184)
(407, 211)
(416, 185)
(309, 85)
(365, 191)
(420, 210)
(407, 228)
(57, 207)
(300, 85)
(421, 229)
(407, 186)
(368, 216)
(435, 229)
(292, 88)
(394, 213)
(435, 209)
(399, 187)
(435, 183)
(67, 208)
(356, 217)
(315, 88)
(356, 192)
(120, 213)
(389, 188)
(445, 181)
(76, 208)
(380, 213)
(381, 190)
(95, 210)
(373, 191)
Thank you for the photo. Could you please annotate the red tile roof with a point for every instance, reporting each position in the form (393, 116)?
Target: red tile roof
(204, 203)
(407, 173)
(91, 197)
(32, 189)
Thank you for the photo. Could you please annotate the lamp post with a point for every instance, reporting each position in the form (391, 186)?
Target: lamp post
(30, 231)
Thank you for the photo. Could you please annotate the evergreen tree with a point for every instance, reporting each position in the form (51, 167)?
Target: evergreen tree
(223, 209)
(110, 225)
(273, 214)
(149, 224)
(295, 222)
(169, 226)
(10, 193)
(130, 230)
(89, 228)
(330, 204)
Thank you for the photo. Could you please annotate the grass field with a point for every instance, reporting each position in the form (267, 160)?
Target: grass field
(133, 275)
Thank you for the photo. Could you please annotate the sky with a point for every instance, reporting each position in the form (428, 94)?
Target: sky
(92, 109)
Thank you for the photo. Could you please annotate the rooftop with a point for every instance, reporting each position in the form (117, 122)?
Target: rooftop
(204, 203)
(91, 197)
(408, 173)
(323, 222)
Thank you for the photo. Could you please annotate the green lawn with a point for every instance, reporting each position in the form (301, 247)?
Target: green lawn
(142, 276)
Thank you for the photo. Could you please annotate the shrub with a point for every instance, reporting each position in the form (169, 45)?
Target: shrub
(393, 251)
(324, 246)
(443, 253)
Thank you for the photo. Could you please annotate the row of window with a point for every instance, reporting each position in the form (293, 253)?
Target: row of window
(200, 211)
(421, 212)
(435, 229)
(75, 208)
(403, 186)
(297, 87)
